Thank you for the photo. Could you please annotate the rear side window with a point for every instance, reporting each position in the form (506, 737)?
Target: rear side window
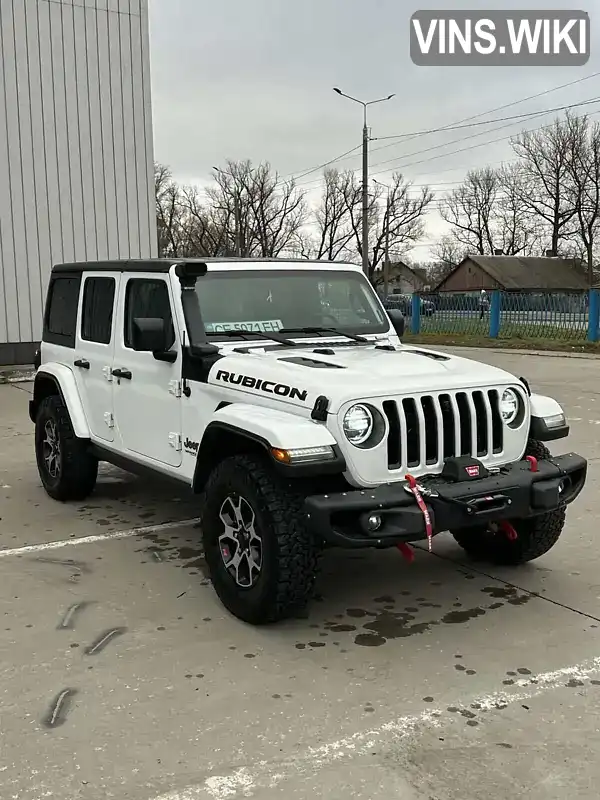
(97, 310)
(61, 310)
(147, 297)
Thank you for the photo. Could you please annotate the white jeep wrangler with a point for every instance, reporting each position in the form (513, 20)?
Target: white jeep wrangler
(281, 392)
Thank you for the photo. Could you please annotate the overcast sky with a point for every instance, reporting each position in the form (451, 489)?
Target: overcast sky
(253, 79)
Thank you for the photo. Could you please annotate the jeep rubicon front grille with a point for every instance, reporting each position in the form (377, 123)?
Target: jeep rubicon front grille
(426, 430)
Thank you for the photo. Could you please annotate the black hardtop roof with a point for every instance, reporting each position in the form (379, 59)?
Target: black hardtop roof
(164, 264)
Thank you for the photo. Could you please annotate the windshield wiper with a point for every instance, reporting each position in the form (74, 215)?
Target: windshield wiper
(335, 331)
(262, 334)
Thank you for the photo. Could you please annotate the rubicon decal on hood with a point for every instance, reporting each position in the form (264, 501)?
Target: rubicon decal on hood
(270, 387)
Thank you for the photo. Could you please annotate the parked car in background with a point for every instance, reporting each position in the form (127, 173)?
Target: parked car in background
(403, 302)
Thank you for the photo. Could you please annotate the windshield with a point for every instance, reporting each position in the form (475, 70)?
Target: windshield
(274, 300)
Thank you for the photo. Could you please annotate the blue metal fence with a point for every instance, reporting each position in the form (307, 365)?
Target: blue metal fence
(567, 316)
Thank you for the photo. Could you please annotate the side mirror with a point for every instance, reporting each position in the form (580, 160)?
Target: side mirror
(150, 334)
(397, 320)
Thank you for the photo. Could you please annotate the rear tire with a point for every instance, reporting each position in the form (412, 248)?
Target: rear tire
(263, 564)
(536, 535)
(66, 468)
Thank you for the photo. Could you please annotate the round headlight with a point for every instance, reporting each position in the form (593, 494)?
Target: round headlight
(358, 424)
(509, 406)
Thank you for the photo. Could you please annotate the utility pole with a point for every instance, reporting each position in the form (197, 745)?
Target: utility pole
(238, 225)
(386, 266)
(365, 197)
(365, 175)
(386, 263)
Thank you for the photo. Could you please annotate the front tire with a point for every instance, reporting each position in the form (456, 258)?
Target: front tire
(66, 469)
(535, 536)
(261, 557)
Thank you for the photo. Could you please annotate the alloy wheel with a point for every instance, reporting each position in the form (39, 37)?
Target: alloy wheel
(240, 545)
(51, 449)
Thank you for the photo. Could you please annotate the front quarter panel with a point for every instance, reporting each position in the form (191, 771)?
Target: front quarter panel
(65, 380)
(542, 409)
(542, 406)
(278, 428)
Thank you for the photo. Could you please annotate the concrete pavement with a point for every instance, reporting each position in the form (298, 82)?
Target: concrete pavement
(123, 677)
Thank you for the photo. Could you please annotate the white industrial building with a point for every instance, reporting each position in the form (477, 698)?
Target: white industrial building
(76, 148)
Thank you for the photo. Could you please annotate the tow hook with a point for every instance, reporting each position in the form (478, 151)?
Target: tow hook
(507, 529)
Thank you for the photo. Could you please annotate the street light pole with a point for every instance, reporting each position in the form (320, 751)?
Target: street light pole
(365, 174)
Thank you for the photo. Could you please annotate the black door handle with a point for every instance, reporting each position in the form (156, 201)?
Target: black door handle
(81, 363)
(122, 373)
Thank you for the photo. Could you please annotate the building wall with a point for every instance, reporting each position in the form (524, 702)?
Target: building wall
(402, 281)
(468, 278)
(76, 148)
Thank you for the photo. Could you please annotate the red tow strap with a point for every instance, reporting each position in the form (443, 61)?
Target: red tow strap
(406, 551)
(414, 488)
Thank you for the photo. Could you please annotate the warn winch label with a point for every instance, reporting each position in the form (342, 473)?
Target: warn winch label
(472, 472)
(270, 387)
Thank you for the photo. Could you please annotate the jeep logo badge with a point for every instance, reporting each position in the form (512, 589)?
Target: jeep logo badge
(191, 447)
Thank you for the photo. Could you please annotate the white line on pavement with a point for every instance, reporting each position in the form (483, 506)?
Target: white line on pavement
(100, 537)
(245, 781)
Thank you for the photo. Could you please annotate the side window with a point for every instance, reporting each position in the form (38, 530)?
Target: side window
(147, 298)
(97, 310)
(60, 321)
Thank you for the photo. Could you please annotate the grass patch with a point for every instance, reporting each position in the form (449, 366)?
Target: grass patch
(516, 342)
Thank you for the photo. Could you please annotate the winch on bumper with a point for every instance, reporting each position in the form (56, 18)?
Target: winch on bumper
(465, 494)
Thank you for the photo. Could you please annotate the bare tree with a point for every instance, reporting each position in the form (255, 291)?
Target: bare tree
(207, 235)
(169, 216)
(249, 212)
(335, 215)
(545, 188)
(448, 253)
(470, 210)
(261, 213)
(518, 230)
(584, 172)
(403, 218)
(404, 213)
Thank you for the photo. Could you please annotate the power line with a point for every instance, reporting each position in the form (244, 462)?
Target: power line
(454, 152)
(427, 149)
(322, 166)
(487, 122)
(455, 125)
(472, 147)
(511, 104)
(451, 126)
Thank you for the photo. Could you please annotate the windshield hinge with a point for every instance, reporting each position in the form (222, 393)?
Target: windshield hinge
(175, 388)
(320, 408)
(175, 441)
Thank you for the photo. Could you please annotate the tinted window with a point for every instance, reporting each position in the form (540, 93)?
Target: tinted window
(97, 311)
(61, 312)
(147, 299)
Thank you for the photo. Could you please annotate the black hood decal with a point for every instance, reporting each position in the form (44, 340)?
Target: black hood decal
(269, 387)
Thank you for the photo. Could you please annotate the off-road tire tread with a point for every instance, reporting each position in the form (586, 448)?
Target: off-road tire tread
(299, 550)
(544, 533)
(79, 468)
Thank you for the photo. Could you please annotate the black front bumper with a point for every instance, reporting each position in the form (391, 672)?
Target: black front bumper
(516, 492)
